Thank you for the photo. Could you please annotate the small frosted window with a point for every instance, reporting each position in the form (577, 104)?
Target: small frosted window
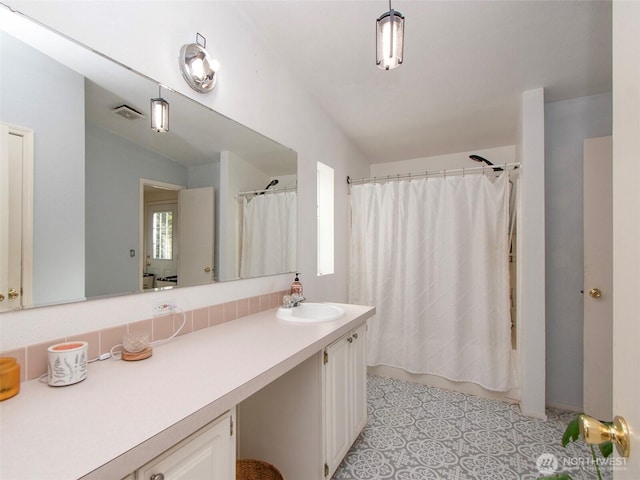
(162, 231)
(325, 219)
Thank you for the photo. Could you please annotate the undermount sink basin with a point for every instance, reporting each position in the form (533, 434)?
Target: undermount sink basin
(310, 313)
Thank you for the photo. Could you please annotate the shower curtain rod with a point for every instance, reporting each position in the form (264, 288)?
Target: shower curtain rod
(433, 173)
(257, 192)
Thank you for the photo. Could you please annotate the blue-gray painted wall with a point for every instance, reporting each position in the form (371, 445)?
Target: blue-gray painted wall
(567, 124)
(40, 94)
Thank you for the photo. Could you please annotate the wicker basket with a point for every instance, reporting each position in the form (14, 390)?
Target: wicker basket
(248, 469)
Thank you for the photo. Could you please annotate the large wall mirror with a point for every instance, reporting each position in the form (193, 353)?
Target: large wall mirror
(117, 207)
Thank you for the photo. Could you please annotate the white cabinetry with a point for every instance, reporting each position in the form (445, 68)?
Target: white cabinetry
(345, 395)
(305, 421)
(208, 453)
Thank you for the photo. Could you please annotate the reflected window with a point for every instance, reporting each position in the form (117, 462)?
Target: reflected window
(162, 235)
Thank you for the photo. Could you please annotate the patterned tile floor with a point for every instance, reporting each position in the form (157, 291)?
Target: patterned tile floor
(416, 432)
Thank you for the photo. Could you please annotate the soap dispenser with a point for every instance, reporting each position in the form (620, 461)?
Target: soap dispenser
(296, 286)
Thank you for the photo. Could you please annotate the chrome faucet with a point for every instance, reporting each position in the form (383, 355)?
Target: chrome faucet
(290, 301)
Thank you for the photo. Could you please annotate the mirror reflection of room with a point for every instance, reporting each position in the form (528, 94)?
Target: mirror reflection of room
(110, 166)
(269, 228)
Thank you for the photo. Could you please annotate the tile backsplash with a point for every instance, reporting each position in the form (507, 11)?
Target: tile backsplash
(33, 358)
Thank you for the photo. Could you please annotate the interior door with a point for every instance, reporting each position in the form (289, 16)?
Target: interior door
(626, 227)
(5, 207)
(16, 167)
(598, 283)
(195, 263)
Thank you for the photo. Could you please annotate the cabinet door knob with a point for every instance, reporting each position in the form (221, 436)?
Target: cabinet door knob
(157, 476)
(355, 335)
(13, 294)
(350, 339)
(1, 297)
(207, 269)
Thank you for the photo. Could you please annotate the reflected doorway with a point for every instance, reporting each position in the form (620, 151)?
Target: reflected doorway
(159, 227)
(16, 217)
(176, 235)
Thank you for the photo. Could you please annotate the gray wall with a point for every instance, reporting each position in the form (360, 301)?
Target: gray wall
(567, 124)
(114, 168)
(40, 94)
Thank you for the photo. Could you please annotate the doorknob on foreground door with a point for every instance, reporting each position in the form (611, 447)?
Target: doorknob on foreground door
(595, 292)
(595, 432)
(13, 294)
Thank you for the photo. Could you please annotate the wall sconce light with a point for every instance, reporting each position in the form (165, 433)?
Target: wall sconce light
(389, 39)
(159, 113)
(197, 66)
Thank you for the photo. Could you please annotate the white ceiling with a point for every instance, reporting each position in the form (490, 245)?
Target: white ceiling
(466, 64)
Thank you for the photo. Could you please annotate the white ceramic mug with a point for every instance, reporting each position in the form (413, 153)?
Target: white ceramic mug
(67, 363)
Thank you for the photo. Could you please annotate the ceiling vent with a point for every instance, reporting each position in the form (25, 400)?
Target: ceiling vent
(127, 112)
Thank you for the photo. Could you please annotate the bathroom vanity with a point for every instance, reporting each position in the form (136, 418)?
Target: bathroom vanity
(298, 390)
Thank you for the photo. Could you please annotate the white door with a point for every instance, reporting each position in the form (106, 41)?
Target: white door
(598, 285)
(16, 212)
(195, 262)
(626, 226)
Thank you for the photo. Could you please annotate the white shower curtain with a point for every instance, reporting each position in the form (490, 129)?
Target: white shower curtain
(432, 256)
(269, 232)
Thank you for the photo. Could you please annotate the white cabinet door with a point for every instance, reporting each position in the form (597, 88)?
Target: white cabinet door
(337, 398)
(208, 454)
(345, 396)
(358, 381)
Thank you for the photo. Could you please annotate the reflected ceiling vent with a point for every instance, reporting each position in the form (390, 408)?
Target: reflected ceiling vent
(127, 112)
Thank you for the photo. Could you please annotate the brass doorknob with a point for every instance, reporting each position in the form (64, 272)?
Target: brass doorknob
(13, 294)
(207, 269)
(1, 297)
(595, 432)
(595, 292)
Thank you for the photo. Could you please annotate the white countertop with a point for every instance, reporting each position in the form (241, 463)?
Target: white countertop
(126, 413)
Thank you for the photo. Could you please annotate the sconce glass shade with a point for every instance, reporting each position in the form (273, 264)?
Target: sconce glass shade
(389, 40)
(198, 68)
(159, 115)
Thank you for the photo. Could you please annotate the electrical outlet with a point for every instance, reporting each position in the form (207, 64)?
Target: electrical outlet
(163, 308)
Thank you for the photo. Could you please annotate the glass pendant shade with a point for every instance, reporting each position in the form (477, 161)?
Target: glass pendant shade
(159, 115)
(389, 40)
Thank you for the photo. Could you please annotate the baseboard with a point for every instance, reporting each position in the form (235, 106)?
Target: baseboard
(561, 406)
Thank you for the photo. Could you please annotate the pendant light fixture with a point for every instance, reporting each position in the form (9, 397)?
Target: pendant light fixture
(159, 113)
(389, 39)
